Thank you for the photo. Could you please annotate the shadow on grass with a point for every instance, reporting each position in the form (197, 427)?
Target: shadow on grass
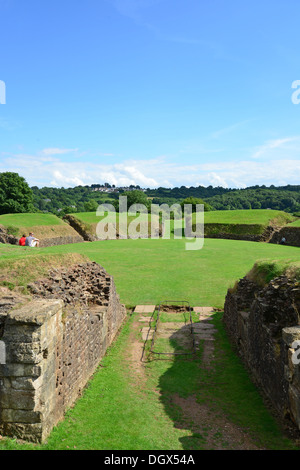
(211, 398)
(178, 365)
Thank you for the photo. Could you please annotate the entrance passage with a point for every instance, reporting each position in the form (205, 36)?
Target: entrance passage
(176, 329)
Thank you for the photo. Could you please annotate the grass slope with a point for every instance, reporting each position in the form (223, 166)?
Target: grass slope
(27, 220)
(91, 220)
(253, 216)
(20, 266)
(42, 225)
(296, 223)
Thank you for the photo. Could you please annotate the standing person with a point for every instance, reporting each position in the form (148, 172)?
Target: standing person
(22, 240)
(32, 241)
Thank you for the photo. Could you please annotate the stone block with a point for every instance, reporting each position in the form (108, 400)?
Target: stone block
(291, 334)
(20, 416)
(36, 312)
(25, 353)
(20, 370)
(23, 431)
(18, 399)
(203, 310)
(144, 308)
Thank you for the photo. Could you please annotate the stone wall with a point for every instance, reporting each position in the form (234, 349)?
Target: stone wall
(290, 233)
(80, 227)
(54, 342)
(246, 232)
(6, 238)
(63, 240)
(263, 323)
(89, 233)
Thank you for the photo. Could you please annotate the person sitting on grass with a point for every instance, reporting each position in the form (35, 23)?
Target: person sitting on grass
(32, 241)
(22, 240)
(283, 241)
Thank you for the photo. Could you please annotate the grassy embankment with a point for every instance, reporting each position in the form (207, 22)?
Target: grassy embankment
(239, 222)
(90, 220)
(296, 223)
(42, 225)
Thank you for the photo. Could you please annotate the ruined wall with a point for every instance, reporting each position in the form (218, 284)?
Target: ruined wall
(291, 234)
(263, 323)
(6, 238)
(63, 240)
(80, 227)
(54, 342)
(247, 232)
(88, 232)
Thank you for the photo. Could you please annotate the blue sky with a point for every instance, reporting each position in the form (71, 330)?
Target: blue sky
(150, 92)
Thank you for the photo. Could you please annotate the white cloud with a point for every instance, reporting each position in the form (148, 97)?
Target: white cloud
(57, 151)
(265, 149)
(51, 170)
(62, 180)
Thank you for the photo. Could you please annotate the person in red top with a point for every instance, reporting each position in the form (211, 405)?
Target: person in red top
(22, 240)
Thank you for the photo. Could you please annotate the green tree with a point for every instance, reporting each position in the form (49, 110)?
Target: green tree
(15, 194)
(91, 206)
(136, 197)
(194, 201)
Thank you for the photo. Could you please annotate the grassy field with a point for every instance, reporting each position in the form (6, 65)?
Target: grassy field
(239, 222)
(118, 410)
(149, 271)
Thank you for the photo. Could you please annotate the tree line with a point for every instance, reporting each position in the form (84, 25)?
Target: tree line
(16, 196)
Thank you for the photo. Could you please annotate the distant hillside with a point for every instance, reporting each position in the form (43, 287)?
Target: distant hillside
(86, 198)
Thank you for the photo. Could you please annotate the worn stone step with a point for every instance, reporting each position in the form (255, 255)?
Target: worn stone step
(203, 310)
(144, 309)
(145, 319)
(147, 333)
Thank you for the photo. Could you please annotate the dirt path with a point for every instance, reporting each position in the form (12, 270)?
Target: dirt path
(200, 419)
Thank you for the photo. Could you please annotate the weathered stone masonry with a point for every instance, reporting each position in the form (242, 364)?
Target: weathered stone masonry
(54, 343)
(263, 323)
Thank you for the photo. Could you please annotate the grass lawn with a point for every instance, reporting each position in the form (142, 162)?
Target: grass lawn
(28, 220)
(117, 411)
(150, 271)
